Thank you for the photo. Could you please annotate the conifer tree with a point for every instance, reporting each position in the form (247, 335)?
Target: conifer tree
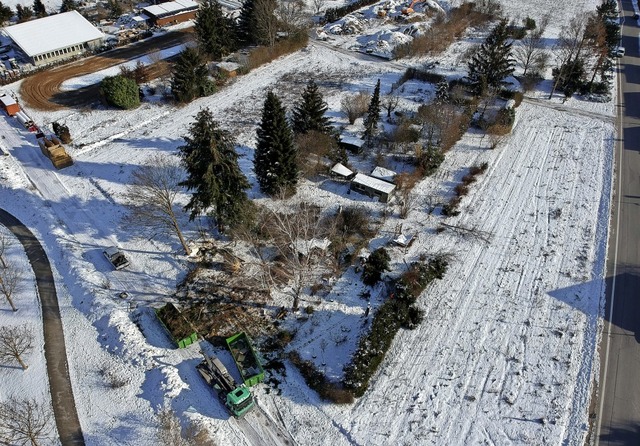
(213, 173)
(68, 5)
(190, 77)
(5, 13)
(24, 13)
(39, 9)
(442, 92)
(257, 23)
(275, 162)
(373, 115)
(492, 62)
(246, 24)
(214, 31)
(308, 114)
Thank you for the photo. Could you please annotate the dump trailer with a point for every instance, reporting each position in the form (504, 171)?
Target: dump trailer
(53, 149)
(246, 359)
(236, 398)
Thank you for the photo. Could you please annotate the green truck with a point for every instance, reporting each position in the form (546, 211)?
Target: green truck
(236, 398)
(246, 359)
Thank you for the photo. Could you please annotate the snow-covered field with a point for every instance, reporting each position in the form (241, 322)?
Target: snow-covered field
(506, 353)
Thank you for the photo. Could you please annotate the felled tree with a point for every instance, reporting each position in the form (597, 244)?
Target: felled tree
(214, 31)
(275, 159)
(308, 114)
(190, 77)
(492, 62)
(120, 92)
(373, 115)
(213, 173)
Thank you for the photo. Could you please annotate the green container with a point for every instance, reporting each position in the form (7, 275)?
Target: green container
(246, 359)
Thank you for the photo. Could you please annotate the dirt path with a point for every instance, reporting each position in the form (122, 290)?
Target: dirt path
(42, 90)
(55, 353)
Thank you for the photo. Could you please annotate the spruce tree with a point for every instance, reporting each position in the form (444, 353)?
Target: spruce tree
(246, 25)
(24, 13)
(308, 114)
(275, 162)
(190, 77)
(257, 22)
(492, 62)
(39, 9)
(68, 5)
(213, 173)
(5, 13)
(214, 31)
(373, 115)
(442, 92)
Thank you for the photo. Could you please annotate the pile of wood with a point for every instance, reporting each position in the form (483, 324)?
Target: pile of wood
(52, 148)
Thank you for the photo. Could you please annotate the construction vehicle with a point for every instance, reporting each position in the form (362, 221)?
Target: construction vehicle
(246, 359)
(52, 148)
(236, 398)
(409, 9)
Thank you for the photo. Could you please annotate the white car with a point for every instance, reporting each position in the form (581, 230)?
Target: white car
(116, 257)
(619, 51)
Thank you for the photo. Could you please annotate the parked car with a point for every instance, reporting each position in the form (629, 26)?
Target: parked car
(619, 51)
(116, 257)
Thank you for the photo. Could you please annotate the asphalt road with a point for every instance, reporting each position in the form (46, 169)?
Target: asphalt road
(64, 407)
(618, 407)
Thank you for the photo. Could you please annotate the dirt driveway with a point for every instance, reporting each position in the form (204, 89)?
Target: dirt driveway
(42, 90)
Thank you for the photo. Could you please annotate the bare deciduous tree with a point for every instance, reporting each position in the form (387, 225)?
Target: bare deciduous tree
(152, 195)
(571, 41)
(266, 21)
(15, 342)
(355, 106)
(6, 242)
(531, 53)
(11, 282)
(390, 102)
(292, 15)
(318, 6)
(25, 422)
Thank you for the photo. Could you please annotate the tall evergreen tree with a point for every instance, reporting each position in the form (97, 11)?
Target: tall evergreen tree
(246, 24)
(492, 62)
(39, 9)
(190, 77)
(275, 162)
(214, 31)
(5, 13)
(373, 115)
(24, 13)
(257, 23)
(213, 173)
(68, 5)
(308, 114)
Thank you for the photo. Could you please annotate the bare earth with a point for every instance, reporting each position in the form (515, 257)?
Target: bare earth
(42, 90)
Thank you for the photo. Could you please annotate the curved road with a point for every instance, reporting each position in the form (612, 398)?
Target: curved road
(618, 407)
(64, 407)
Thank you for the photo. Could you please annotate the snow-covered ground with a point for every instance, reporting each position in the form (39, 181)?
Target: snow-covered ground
(506, 353)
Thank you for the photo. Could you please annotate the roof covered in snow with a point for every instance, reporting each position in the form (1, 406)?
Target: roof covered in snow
(52, 33)
(171, 8)
(340, 169)
(352, 140)
(383, 174)
(373, 183)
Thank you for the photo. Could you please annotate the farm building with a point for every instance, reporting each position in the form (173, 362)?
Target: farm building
(372, 187)
(56, 37)
(9, 105)
(170, 13)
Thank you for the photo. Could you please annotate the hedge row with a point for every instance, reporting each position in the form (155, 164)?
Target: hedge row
(398, 312)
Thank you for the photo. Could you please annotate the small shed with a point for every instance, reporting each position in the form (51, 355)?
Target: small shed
(352, 143)
(384, 174)
(372, 187)
(341, 171)
(9, 104)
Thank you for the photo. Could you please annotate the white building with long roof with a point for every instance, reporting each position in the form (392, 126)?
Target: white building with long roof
(54, 38)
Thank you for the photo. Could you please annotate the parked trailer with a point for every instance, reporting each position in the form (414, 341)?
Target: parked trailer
(246, 359)
(236, 398)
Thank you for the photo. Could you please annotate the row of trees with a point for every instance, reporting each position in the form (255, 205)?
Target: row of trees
(35, 11)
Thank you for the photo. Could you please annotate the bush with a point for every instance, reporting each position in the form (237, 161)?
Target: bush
(376, 264)
(265, 54)
(120, 92)
(354, 220)
(529, 23)
(317, 381)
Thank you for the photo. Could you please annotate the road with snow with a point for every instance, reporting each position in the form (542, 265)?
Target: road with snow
(619, 405)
